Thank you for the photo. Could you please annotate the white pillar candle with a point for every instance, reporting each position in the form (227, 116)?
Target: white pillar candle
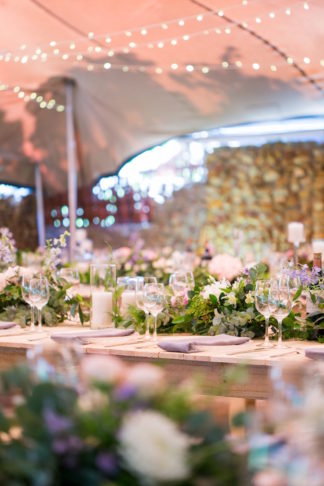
(296, 233)
(101, 309)
(128, 298)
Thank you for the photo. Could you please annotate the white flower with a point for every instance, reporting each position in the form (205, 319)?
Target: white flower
(102, 368)
(249, 299)
(92, 400)
(225, 266)
(160, 263)
(153, 447)
(231, 298)
(147, 379)
(128, 266)
(214, 289)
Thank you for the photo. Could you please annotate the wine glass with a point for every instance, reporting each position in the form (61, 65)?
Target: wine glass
(280, 302)
(39, 295)
(25, 292)
(178, 282)
(154, 301)
(140, 302)
(190, 280)
(72, 277)
(262, 291)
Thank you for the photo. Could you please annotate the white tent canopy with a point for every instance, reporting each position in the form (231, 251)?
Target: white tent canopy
(144, 71)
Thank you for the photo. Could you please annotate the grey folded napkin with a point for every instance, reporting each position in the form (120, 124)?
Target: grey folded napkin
(8, 325)
(191, 344)
(317, 352)
(84, 337)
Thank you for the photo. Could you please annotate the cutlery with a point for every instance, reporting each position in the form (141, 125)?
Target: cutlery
(284, 354)
(246, 351)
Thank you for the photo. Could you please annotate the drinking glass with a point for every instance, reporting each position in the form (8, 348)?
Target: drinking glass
(190, 280)
(262, 291)
(178, 282)
(39, 295)
(26, 292)
(72, 277)
(280, 302)
(128, 296)
(140, 301)
(103, 283)
(154, 301)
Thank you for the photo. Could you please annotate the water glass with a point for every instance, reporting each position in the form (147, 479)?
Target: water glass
(280, 302)
(128, 296)
(262, 292)
(26, 293)
(103, 282)
(178, 281)
(154, 302)
(72, 277)
(39, 295)
(140, 301)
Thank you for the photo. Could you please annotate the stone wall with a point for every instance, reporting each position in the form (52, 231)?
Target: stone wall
(258, 190)
(250, 196)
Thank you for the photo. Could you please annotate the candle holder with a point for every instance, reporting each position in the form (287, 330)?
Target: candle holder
(296, 246)
(103, 282)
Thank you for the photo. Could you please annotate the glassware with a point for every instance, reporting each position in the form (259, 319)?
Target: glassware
(72, 277)
(190, 280)
(39, 295)
(128, 296)
(262, 291)
(280, 302)
(140, 302)
(25, 291)
(178, 281)
(154, 301)
(102, 282)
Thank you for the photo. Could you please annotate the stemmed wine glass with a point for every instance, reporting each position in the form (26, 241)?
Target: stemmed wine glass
(178, 281)
(71, 277)
(154, 302)
(140, 301)
(39, 295)
(280, 302)
(262, 292)
(26, 293)
(190, 280)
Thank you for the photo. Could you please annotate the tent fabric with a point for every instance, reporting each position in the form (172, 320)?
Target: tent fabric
(145, 71)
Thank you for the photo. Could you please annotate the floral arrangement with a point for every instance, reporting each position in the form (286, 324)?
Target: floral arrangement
(7, 248)
(286, 437)
(14, 308)
(103, 423)
(213, 307)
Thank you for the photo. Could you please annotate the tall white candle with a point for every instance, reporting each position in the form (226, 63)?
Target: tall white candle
(296, 233)
(128, 298)
(101, 309)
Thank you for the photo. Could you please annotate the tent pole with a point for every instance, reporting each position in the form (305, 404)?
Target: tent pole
(40, 216)
(72, 165)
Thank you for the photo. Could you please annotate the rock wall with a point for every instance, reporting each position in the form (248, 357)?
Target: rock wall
(252, 193)
(250, 196)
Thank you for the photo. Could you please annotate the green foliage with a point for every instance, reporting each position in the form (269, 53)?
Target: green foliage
(60, 426)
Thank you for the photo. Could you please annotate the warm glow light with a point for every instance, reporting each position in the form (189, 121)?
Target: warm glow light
(256, 66)
(290, 60)
(108, 40)
(225, 64)
(306, 60)
(189, 68)
(181, 23)
(174, 42)
(205, 70)
(273, 68)
(143, 31)
(174, 66)
(107, 65)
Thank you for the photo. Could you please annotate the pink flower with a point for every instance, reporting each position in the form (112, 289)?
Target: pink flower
(149, 255)
(225, 266)
(122, 253)
(180, 299)
(146, 378)
(102, 368)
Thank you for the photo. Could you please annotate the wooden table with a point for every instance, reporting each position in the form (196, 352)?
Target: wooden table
(212, 364)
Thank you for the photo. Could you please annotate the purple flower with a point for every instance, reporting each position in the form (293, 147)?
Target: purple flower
(70, 444)
(107, 463)
(56, 423)
(124, 392)
(246, 271)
